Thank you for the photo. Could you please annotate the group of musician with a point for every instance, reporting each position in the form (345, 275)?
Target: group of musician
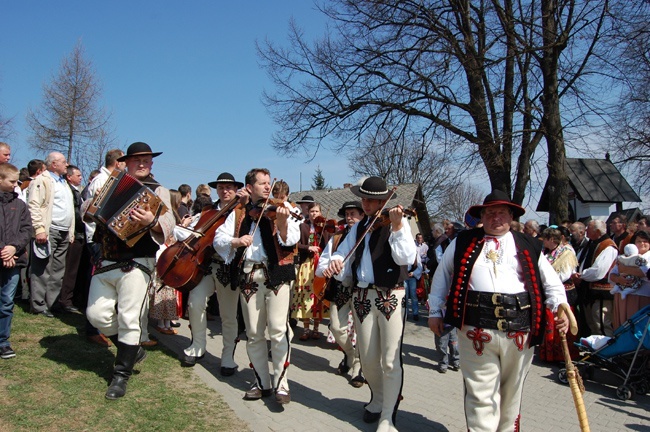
(273, 261)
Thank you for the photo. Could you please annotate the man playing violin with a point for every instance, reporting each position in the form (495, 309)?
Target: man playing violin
(217, 280)
(117, 301)
(340, 296)
(261, 257)
(377, 261)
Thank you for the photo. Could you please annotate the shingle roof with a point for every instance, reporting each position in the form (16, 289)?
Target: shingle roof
(409, 195)
(594, 180)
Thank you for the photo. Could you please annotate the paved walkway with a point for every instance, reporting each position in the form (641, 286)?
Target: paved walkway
(324, 401)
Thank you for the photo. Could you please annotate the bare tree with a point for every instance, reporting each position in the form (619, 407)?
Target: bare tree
(70, 119)
(455, 200)
(410, 160)
(6, 130)
(492, 74)
(630, 43)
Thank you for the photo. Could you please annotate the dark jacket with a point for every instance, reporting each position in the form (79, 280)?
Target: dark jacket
(79, 226)
(15, 225)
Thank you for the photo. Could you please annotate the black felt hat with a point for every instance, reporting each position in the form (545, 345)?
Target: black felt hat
(348, 205)
(225, 178)
(373, 188)
(495, 198)
(138, 149)
(307, 199)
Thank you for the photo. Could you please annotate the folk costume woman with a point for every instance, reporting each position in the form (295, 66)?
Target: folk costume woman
(305, 304)
(163, 298)
(562, 257)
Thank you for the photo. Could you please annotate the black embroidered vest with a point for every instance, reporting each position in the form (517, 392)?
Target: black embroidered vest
(468, 249)
(386, 272)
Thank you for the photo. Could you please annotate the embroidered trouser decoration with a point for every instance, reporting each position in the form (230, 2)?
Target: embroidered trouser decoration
(248, 286)
(479, 338)
(518, 337)
(361, 304)
(386, 304)
(343, 296)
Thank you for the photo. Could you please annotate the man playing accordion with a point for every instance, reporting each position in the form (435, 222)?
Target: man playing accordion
(118, 291)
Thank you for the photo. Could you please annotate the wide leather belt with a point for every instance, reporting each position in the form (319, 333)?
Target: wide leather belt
(497, 311)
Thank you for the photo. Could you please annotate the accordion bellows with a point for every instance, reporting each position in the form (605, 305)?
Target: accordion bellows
(113, 204)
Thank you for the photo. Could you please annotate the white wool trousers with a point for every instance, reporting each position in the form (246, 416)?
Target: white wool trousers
(494, 366)
(379, 316)
(339, 328)
(267, 309)
(118, 301)
(197, 304)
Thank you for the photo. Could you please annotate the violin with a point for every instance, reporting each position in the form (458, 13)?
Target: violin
(383, 219)
(321, 225)
(270, 211)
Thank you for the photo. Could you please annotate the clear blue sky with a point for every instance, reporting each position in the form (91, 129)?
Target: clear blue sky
(181, 76)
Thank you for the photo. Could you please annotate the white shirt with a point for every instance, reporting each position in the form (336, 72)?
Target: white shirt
(62, 203)
(255, 253)
(93, 187)
(507, 280)
(402, 248)
(601, 265)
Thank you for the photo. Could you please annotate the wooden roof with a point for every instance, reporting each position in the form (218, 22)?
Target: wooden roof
(594, 181)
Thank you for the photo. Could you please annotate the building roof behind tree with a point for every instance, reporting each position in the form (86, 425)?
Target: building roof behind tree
(594, 180)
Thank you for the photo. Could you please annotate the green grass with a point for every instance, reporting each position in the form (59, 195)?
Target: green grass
(57, 383)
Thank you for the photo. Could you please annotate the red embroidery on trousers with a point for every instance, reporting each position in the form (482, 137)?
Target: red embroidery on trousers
(518, 337)
(479, 338)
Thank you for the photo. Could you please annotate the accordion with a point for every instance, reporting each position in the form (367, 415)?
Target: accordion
(113, 204)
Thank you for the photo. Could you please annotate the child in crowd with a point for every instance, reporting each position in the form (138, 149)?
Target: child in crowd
(15, 233)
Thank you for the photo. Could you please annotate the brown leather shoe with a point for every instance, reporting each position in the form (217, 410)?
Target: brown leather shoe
(283, 397)
(149, 343)
(256, 393)
(100, 340)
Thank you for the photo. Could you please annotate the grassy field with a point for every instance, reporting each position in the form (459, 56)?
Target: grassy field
(58, 379)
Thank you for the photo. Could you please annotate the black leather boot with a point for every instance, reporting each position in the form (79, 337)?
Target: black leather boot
(127, 355)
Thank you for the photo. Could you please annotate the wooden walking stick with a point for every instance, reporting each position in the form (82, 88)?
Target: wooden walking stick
(575, 382)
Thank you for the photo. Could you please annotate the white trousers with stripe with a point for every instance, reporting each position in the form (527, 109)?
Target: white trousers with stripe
(267, 310)
(379, 316)
(197, 304)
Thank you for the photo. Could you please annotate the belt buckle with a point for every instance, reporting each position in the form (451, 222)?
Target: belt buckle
(498, 310)
(502, 325)
(496, 298)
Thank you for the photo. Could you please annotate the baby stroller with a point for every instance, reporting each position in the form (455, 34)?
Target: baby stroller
(626, 355)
